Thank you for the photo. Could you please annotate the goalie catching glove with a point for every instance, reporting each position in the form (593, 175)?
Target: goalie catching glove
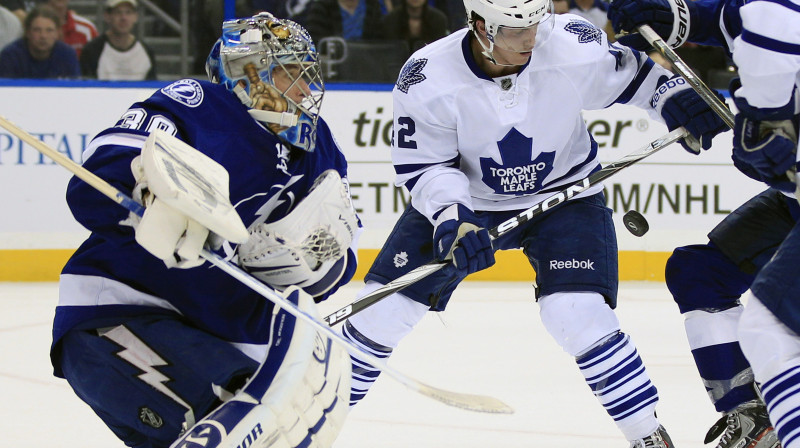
(308, 247)
(185, 194)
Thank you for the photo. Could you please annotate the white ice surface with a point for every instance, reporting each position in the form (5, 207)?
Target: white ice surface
(489, 341)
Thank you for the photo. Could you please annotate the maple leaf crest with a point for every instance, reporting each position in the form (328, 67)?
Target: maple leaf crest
(586, 31)
(517, 174)
(411, 74)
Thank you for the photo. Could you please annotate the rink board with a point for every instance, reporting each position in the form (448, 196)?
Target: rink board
(681, 195)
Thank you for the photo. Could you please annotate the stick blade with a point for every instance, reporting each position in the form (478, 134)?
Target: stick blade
(470, 402)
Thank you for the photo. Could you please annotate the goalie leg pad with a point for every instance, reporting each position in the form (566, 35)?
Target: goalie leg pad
(298, 397)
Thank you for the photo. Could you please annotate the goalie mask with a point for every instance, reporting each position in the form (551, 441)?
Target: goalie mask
(272, 66)
(518, 26)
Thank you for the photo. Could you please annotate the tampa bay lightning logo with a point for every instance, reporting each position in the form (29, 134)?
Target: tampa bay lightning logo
(517, 174)
(411, 74)
(586, 31)
(185, 91)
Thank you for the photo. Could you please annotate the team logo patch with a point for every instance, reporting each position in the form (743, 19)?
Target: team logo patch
(150, 418)
(411, 74)
(400, 259)
(186, 91)
(585, 31)
(517, 174)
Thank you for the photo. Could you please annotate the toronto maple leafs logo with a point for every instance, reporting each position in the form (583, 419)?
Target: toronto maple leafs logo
(411, 74)
(517, 174)
(586, 31)
(185, 91)
(400, 259)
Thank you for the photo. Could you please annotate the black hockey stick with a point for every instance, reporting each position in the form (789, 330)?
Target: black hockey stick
(558, 198)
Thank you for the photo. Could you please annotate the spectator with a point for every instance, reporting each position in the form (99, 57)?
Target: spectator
(206, 29)
(117, 55)
(294, 10)
(17, 7)
(592, 10)
(10, 27)
(76, 30)
(415, 22)
(350, 19)
(39, 53)
(560, 6)
(455, 12)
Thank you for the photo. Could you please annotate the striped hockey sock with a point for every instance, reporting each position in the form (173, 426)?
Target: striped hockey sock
(364, 375)
(782, 395)
(615, 373)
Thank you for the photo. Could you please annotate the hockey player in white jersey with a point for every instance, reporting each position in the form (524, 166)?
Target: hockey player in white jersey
(767, 54)
(487, 122)
(169, 351)
(707, 281)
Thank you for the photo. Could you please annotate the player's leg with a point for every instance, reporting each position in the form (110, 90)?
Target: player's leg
(152, 377)
(706, 283)
(379, 328)
(768, 334)
(574, 251)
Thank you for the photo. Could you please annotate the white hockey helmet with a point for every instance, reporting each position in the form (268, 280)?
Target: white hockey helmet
(272, 65)
(507, 13)
(510, 24)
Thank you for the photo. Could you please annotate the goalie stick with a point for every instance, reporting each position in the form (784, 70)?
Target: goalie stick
(558, 198)
(472, 402)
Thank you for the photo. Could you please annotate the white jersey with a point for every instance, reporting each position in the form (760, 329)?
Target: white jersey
(767, 52)
(509, 142)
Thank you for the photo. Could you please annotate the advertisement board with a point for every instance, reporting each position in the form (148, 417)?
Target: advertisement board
(681, 195)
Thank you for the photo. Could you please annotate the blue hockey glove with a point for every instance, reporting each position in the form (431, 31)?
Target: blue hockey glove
(765, 144)
(627, 15)
(459, 235)
(686, 108)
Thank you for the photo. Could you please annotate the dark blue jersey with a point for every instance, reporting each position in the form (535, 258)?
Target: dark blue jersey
(111, 277)
(716, 22)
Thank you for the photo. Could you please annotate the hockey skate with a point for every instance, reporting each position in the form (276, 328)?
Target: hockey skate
(658, 439)
(747, 426)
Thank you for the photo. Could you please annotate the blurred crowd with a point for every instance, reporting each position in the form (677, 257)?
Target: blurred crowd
(46, 39)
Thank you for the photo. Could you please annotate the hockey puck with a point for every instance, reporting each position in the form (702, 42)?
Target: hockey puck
(635, 223)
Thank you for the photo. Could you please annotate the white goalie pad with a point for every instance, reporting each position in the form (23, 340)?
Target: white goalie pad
(191, 183)
(302, 248)
(302, 402)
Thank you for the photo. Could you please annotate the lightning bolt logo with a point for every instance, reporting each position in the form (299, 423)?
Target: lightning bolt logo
(144, 358)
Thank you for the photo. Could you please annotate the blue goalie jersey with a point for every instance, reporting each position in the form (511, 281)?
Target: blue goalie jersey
(111, 277)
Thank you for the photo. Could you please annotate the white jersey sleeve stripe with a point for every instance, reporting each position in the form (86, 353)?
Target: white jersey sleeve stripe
(636, 83)
(768, 43)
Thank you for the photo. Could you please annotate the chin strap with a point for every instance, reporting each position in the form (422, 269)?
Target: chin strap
(283, 119)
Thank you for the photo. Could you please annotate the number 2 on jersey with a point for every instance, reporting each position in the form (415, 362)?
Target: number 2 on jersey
(407, 128)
